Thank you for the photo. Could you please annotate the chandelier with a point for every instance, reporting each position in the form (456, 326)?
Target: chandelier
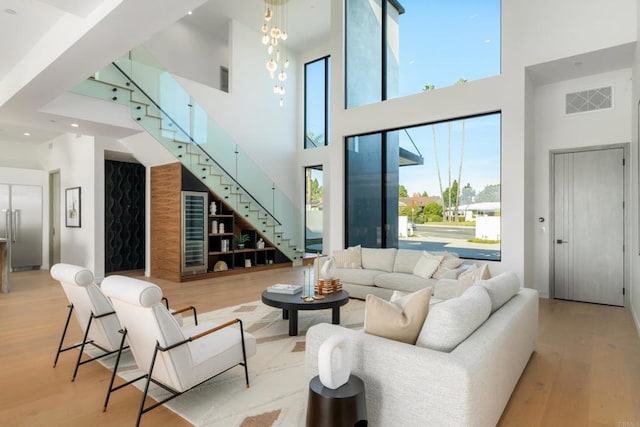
(274, 33)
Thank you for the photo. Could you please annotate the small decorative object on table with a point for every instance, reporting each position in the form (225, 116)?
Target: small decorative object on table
(328, 286)
(280, 288)
(334, 361)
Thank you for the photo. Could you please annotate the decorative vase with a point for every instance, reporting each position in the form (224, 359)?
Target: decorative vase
(213, 208)
(221, 228)
(328, 269)
(334, 361)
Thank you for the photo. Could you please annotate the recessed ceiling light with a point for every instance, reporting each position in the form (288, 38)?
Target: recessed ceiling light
(10, 11)
(26, 134)
(190, 12)
(75, 125)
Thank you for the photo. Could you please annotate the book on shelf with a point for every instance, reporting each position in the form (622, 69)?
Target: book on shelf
(280, 288)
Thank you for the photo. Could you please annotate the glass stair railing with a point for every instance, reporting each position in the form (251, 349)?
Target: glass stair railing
(167, 112)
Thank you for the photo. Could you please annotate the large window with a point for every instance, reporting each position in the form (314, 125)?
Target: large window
(316, 103)
(401, 47)
(434, 187)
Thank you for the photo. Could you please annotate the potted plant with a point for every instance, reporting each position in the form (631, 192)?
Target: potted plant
(241, 240)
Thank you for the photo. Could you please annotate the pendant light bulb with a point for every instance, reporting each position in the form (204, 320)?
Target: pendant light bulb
(282, 76)
(268, 14)
(265, 39)
(284, 35)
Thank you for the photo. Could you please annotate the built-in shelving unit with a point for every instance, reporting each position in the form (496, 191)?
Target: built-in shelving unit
(223, 254)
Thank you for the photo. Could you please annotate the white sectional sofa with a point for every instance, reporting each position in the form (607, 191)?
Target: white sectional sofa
(382, 271)
(410, 385)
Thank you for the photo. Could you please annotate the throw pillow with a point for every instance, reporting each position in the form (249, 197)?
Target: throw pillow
(470, 276)
(501, 288)
(452, 321)
(348, 258)
(449, 262)
(394, 321)
(427, 265)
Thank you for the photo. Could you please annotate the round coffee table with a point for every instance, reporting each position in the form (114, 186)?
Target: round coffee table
(291, 304)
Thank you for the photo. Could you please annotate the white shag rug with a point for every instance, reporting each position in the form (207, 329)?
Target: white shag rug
(279, 390)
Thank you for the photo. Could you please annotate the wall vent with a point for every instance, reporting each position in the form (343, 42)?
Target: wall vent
(589, 100)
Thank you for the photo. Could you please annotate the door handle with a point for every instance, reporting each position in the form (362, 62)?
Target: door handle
(14, 225)
(560, 241)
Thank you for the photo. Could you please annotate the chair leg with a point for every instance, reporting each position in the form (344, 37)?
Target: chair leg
(64, 333)
(84, 342)
(115, 369)
(244, 354)
(146, 386)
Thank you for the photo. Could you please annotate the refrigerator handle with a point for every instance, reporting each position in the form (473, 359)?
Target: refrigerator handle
(14, 225)
(7, 230)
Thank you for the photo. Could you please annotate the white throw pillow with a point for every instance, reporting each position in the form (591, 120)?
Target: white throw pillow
(449, 262)
(501, 288)
(427, 265)
(452, 321)
(470, 276)
(348, 258)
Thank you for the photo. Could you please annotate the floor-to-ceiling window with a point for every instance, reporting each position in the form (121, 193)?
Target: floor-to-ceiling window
(313, 209)
(432, 187)
(398, 48)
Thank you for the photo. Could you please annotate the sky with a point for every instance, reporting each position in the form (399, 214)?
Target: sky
(441, 42)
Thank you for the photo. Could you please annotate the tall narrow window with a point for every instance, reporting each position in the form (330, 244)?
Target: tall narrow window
(398, 48)
(316, 103)
(313, 209)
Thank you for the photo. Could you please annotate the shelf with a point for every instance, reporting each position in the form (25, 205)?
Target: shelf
(220, 252)
(220, 234)
(221, 216)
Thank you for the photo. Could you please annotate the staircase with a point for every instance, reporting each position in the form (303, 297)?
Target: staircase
(168, 113)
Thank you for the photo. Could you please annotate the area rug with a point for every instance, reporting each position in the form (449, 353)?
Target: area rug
(278, 392)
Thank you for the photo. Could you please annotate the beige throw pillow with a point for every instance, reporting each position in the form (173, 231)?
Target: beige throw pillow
(427, 265)
(449, 262)
(470, 276)
(348, 258)
(395, 321)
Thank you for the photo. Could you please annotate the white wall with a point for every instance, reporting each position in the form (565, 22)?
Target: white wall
(550, 29)
(73, 155)
(18, 155)
(634, 296)
(554, 130)
(250, 113)
(189, 52)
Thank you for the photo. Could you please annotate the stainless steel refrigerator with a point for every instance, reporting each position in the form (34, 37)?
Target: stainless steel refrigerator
(21, 224)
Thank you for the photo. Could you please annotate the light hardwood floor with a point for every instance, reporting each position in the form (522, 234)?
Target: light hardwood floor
(585, 371)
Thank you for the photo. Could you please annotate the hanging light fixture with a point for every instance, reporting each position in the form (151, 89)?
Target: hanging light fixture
(274, 33)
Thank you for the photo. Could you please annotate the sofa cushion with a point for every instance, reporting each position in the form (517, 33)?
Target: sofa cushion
(501, 288)
(449, 262)
(357, 276)
(348, 258)
(395, 321)
(406, 260)
(427, 265)
(452, 321)
(470, 276)
(402, 282)
(379, 259)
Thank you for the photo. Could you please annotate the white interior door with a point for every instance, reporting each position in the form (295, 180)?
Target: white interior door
(588, 219)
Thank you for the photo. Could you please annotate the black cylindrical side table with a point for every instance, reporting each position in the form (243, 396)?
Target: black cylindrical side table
(342, 407)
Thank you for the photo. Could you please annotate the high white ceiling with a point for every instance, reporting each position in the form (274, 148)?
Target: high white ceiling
(25, 23)
(44, 109)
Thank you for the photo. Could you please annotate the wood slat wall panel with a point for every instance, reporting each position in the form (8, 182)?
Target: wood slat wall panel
(165, 221)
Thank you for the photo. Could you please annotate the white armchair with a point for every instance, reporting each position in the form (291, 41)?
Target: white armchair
(177, 360)
(92, 310)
